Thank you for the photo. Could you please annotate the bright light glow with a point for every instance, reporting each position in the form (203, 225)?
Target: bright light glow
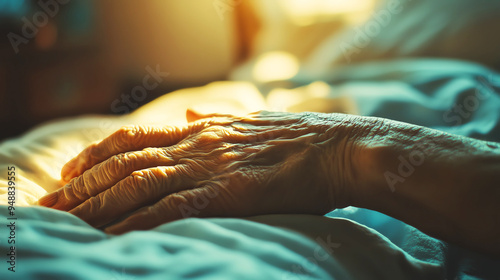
(304, 12)
(275, 66)
(282, 99)
(237, 98)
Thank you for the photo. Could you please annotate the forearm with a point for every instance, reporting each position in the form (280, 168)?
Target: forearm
(445, 185)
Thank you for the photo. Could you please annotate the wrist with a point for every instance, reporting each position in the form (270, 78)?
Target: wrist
(374, 149)
(443, 184)
(346, 140)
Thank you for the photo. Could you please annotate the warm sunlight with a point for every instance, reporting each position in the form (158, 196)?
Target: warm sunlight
(304, 12)
(275, 66)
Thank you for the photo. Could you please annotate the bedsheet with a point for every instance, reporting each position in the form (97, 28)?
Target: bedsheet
(56, 245)
(377, 247)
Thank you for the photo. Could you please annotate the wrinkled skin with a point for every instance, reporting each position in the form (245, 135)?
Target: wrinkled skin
(218, 165)
(307, 163)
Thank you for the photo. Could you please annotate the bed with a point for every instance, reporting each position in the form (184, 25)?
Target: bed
(414, 85)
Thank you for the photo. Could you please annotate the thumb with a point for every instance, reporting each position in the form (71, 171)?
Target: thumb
(192, 115)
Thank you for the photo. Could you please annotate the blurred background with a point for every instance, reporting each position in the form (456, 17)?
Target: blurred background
(62, 58)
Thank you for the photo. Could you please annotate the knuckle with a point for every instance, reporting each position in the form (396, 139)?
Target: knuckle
(151, 153)
(128, 134)
(70, 193)
(100, 175)
(214, 128)
(228, 154)
(114, 164)
(156, 175)
(93, 152)
(128, 131)
(217, 135)
(210, 134)
(172, 131)
(146, 182)
(143, 133)
(140, 177)
(119, 162)
(79, 185)
(95, 204)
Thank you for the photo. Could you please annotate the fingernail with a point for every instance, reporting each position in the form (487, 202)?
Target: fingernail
(67, 177)
(192, 115)
(66, 174)
(48, 200)
(68, 170)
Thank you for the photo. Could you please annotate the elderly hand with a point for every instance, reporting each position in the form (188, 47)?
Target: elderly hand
(267, 163)
(218, 165)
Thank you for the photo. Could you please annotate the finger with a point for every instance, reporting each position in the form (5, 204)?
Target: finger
(199, 202)
(137, 190)
(192, 115)
(129, 138)
(103, 176)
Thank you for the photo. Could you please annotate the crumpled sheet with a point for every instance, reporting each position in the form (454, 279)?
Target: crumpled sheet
(52, 244)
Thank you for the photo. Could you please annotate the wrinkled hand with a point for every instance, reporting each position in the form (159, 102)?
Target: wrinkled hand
(218, 165)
